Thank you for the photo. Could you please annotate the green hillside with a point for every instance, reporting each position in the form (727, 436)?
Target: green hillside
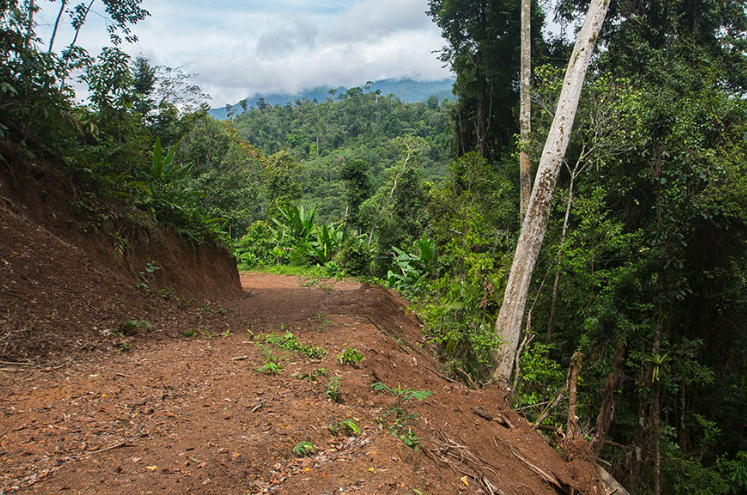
(407, 90)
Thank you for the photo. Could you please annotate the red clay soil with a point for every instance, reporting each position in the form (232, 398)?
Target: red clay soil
(192, 415)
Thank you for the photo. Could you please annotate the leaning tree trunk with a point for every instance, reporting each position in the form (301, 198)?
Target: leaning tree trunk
(508, 325)
(525, 116)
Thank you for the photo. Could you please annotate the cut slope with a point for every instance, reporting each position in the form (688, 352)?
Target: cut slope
(67, 284)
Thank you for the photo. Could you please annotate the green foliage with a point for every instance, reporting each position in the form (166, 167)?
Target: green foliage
(281, 186)
(294, 224)
(346, 426)
(270, 368)
(541, 379)
(735, 471)
(414, 268)
(345, 145)
(402, 394)
(327, 242)
(133, 326)
(313, 376)
(350, 356)
(289, 342)
(483, 42)
(334, 389)
(303, 449)
(401, 425)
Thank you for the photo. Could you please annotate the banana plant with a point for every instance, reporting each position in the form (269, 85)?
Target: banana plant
(412, 266)
(164, 169)
(328, 241)
(296, 223)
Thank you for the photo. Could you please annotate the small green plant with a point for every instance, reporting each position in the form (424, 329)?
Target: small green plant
(403, 422)
(207, 334)
(302, 449)
(313, 376)
(124, 346)
(319, 322)
(402, 394)
(326, 288)
(289, 342)
(222, 311)
(333, 389)
(347, 427)
(147, 274)
(133, 326)
(206, 309)
(270, 368)
(226, 334)
(350, 356)
(310, 282)
(408, 437)
(190, 333)
(166, 292)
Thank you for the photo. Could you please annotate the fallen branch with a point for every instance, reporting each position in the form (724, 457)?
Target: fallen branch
(610, 484)
(461, 460)
(69, 361)
(407, 351)
(545, 476)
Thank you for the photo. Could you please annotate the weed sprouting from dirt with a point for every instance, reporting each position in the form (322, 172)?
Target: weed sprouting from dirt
(319, 322)
(289, 342)
(270, 368)
(313, 376)
(326, 288)
(401, 426)
(402, 394)
(133, 326)
(334, 388)
(346, 426)
(272, 364)
(302, 449)
(350, 356)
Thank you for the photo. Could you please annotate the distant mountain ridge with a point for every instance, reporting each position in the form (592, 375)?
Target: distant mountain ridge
(408, 90)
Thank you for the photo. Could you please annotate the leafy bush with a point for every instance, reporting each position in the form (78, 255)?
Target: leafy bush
(414, 268)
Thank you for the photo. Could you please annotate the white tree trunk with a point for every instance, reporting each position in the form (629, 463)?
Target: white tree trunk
(525, 116)
(508, 325)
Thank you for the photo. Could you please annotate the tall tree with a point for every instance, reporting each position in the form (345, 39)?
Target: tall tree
(508, 324)
(483, 49)
(525, 114)
(143, 85)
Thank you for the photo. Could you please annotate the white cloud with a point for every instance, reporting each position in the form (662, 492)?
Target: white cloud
(240, 48)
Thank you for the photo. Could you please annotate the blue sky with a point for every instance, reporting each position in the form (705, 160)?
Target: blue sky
(239, 48)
